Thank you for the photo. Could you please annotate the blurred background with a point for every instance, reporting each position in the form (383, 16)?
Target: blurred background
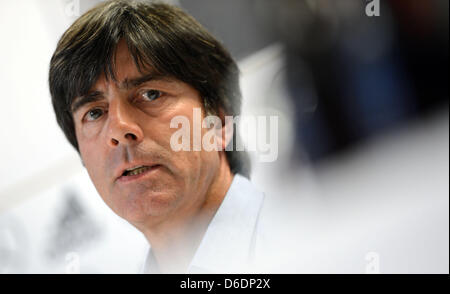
(361, 182)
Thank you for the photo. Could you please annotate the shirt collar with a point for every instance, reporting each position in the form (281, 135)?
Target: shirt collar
(228, 242)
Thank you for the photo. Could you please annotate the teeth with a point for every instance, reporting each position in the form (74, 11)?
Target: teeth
(136, 167)
(137, 171)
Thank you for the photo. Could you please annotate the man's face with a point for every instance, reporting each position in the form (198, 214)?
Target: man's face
(126, 124)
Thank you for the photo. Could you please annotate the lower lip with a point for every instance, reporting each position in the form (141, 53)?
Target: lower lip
(127, 179)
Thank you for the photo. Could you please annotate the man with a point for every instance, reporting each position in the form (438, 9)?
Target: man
(119, 76)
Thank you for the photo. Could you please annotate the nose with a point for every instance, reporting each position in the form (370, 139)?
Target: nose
(122, 128)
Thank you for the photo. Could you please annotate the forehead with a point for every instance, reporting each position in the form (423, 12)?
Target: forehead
(124, 65)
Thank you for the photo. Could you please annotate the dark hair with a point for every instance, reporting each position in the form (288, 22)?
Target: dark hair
(157, 35)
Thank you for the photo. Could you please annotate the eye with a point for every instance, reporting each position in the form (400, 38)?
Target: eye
(93, 114)
(151, 95)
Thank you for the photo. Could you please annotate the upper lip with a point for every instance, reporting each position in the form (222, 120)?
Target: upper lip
(121, 169)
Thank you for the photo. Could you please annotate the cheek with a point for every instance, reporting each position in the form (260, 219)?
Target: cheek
(186, 161)
(94, 163)
(90, 150)
(91, 132)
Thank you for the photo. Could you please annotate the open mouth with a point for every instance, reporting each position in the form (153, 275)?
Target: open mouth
(136, 170)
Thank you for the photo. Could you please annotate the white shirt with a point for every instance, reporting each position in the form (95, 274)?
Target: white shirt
(229, 241)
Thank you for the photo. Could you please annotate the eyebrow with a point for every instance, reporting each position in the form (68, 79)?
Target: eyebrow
(136, 82)
(85, 99)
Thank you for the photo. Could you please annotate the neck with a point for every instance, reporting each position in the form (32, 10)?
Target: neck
(175, 241)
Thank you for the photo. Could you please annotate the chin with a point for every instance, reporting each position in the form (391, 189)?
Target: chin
(147, 207)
